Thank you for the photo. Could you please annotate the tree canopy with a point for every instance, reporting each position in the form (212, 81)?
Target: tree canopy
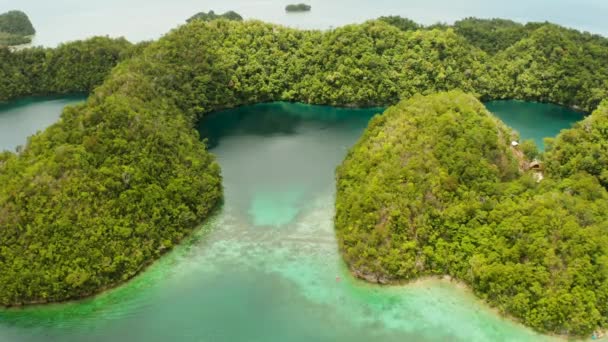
(553, 64)
(491, 35)
(75, 67)
(404, 24)
(16, 22)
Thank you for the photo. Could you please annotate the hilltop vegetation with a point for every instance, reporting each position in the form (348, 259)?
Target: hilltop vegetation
(16, 22)
(582, 148)
(537, 61)
(75, 67)
(98, 195)
(549, 63)
(119, 180)
(556, 65)
(15, 28)
(492, 35)
(404, 24)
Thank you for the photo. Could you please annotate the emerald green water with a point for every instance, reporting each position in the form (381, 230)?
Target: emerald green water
(535, 120)
(22, 118)
(266, 267)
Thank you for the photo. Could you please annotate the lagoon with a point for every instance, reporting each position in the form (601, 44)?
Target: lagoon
(534, 120)
(266, 266)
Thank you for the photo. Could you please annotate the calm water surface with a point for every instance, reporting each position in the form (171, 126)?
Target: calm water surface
(22, 118)
(535, 120)
(266, 267)
(64, 20)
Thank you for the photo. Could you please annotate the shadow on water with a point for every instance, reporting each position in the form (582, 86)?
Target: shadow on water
(262, 120)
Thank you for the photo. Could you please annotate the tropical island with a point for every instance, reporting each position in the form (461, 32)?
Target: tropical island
(15, 29)
(208, 16)
(434, 187)
(119, 180)
(298, 8)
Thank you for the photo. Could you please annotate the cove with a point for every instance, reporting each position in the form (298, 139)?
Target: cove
(266, 266)
(534, 120)
(21, 118)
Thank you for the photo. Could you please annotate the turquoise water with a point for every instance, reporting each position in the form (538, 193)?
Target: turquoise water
(22, 118)
(149, 19)
(535, 120)
(266, 267)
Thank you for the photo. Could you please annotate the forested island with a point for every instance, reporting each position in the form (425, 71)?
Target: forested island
(15, 29)
(119, 180)
(298, 8)
(208, 16)
(434, 187)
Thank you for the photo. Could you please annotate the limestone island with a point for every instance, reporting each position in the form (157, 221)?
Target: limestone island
(298, 8)
(204, 16)
(15, 29)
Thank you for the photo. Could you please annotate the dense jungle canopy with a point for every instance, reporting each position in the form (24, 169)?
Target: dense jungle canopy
(120, 179)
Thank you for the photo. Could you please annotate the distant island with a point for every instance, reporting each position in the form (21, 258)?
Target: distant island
(15, 29)
(298, 8)
(204, 16)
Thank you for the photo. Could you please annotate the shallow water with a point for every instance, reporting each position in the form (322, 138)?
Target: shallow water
(65, 20)
(535, 120)
(22, 118)
(266, 267)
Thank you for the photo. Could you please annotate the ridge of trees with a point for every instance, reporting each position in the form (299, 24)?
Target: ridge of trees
(75, 67)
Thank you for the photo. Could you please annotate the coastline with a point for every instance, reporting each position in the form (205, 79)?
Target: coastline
(145, 266)
(425, 281)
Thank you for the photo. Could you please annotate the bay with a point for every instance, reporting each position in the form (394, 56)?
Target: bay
(266, 266)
